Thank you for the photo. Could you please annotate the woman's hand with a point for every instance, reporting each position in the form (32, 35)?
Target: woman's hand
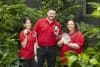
(59, 43)
(36, 59)
(25, 32)
(65, 42)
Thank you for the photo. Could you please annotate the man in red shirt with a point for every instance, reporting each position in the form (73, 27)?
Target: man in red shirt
(48, 31)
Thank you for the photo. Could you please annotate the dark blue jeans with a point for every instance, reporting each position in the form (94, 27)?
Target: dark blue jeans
(48, 53)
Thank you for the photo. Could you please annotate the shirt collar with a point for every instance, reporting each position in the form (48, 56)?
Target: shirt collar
(46, 19)
(70, 33)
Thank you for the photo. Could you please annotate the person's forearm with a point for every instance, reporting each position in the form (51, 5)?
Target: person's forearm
(35, 48)
(72, 45)
(24, 42)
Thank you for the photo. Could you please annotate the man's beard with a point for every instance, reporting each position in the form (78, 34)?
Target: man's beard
(50, 19)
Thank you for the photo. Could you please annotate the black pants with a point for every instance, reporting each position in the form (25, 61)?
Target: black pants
(27, 63)
(65, 66)
(48, 53)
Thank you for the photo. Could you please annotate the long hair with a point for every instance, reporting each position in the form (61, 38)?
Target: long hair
(76, 28)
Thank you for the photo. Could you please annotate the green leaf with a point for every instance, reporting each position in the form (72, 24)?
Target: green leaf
(93, 61)
(71, 59)
(96, 14)
(85, 58)
(70, 53)
(91, 51)
(92, 30)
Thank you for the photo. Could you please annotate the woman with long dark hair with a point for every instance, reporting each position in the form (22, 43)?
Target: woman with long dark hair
(76, 40)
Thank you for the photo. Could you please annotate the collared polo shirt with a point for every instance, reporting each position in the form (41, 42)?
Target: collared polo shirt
(45, 30)
(27, 52)
(77, 38)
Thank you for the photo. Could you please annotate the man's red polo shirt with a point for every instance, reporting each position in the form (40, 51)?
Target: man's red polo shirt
(45, 30)
(27, 52)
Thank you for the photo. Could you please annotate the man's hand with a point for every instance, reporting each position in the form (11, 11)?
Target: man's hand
(56, 32)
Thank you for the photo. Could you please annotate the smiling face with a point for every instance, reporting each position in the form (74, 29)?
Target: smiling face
(51, 15)
(71, 25)
(27, 24)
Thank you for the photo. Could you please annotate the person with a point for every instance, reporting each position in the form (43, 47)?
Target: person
(28, 43)
(76, 40)
(48, 31)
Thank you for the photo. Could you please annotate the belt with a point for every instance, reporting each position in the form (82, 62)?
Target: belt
(47, 46)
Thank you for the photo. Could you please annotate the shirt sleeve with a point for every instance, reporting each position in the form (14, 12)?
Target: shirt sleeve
(22, 37)
(79, 39)
(36, 26)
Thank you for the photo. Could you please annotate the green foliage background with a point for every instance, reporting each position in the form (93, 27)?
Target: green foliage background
(12, 13)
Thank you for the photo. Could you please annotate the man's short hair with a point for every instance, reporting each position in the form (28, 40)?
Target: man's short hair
(52, 9)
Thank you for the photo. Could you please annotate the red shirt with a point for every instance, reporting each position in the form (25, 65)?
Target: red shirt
(27, 52)
(45, 30)
(77, 38)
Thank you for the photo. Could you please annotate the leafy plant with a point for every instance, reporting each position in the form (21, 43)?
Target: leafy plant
(89, 37)
(88, 58)
(9, 53)
(96, 13)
